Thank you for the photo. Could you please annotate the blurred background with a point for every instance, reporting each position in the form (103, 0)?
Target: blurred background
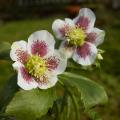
(19, 18)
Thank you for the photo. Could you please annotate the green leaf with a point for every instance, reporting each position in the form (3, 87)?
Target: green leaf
(47, 118)
(5, 117)
(31, 105)
(93, 115)
(8, 92)
(5, 50)
(91, 93)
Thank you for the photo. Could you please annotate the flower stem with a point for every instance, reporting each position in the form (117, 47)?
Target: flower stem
(76, 106)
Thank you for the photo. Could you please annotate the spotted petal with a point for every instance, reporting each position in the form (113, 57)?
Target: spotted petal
(19, 51)
(50, 81)
(41, 43)
(85, 54)
(58, 28)
(85, 19)
(96, 36)
(66, 49)
(69, 22)
(56, 62)
(25, 81)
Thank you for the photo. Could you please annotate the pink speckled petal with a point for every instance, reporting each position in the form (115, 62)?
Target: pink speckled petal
(96, 36)
(85, 54)
(85, 19)
(56, 62)
(19, 51)
(25, 81)
(41, 43)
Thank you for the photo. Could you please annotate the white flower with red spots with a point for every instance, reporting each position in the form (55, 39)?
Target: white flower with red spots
(37, 62)
(80, 36)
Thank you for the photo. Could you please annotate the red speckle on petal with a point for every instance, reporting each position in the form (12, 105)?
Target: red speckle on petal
(83, 22)
(39, 48)
(83, 51)
(63, 30)
(91, 37)
(52, 63)
(43, 80)
(26, 76)
(22, 56)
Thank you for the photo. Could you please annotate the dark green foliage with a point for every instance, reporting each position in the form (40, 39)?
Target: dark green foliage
(31, 105)
(8, 91)
(4, 51)
(91, 93)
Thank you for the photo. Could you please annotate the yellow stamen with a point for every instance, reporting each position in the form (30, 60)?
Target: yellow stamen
(36, 66)
(75, 36)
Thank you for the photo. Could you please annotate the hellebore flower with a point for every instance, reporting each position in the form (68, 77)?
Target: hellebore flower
(37, 62)
(80, 36)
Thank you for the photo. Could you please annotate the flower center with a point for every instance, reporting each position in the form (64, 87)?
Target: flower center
(36, 66)
(75, 36)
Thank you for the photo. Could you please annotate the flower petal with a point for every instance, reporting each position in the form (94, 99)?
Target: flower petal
(69, 22)
(96, 36)
(56, 62)
(85, 54)
(19, 51)
(85, 19)
(41, 43)
(51, 81)
(58, 28)
(66, 49)
(17, 65)
(25, 81)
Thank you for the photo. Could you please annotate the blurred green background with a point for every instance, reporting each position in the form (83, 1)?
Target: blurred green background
(18, 19)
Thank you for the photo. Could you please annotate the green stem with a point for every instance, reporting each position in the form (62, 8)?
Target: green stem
(73, 99)
(75, 105)
(68, 107)
(58, 112)
(63, 102)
